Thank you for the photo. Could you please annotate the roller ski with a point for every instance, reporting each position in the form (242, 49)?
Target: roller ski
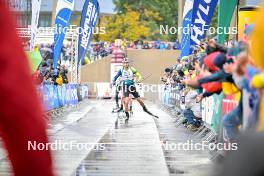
(148, 112)
(115, 110)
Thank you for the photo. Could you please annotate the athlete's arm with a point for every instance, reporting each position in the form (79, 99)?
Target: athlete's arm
(119, 73)
(137, 74)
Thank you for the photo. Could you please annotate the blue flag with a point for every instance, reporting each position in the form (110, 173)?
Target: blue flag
(203, 11)
(90, 15)
(63, 15)
(186, 26)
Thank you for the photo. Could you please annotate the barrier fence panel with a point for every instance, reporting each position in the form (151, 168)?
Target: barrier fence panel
(213, 108)
(54, 97)
(212, 111)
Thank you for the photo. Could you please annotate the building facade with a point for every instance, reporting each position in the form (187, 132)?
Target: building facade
(22, 10)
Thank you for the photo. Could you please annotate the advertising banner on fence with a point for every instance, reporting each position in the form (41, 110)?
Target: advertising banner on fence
(34, 22)
(212, 116)
(186, 23)
(62, 18)
(58, 96)
(202, 14)
(90, 15)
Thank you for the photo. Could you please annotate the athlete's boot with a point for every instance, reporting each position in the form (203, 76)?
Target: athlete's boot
(115, 110)
(127, 117)
(131, 109)
(120, 109)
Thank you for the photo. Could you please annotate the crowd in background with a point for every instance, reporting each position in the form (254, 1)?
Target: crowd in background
(103, 49)
(161, 45)
(223, 70)
(45, 73)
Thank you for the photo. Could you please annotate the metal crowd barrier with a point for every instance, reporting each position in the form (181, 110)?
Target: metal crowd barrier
(213, 109)
(59, 100)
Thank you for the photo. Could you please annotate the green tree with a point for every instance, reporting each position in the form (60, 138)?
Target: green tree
(125, 26)
(153, 13)
(214, 22)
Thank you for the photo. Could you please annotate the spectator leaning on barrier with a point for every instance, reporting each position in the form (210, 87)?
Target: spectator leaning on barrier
(167, 77)
(186, 68)
(215, 62)
(229, 71)
(192, 113)
(232, 71)
(242, 72)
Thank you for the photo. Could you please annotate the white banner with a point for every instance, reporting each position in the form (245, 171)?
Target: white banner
(34, 22)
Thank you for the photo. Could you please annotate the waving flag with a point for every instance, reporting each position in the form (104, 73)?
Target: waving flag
(34, 22)
(226, 11)
(203, 11)
(186, 24)
(63, 15)
(90, 15)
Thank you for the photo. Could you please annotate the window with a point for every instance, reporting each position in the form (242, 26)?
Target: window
(45, 20)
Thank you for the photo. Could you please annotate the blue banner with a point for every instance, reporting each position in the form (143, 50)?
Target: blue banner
(54, 97)
(90, 15)
(186, 28)
(50, 97)
(63, 15)
(203, 11)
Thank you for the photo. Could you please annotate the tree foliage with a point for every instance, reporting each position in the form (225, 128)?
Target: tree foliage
(125, 26)
(214, 22)
(141, 19)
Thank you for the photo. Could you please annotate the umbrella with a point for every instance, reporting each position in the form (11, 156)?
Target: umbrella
(35, 59)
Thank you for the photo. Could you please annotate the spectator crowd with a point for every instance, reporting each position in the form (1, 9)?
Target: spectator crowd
(161, 45)
(213, 69)
(46, 74)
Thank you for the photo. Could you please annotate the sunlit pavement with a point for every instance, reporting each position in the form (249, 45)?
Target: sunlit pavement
(130, 149)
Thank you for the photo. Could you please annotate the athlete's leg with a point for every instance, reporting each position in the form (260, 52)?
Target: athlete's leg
(126, 99)
(137, 96)
(141, 102)
(130, 103)
(126, 103)
(121, 107)
(116, 96)
(122, 100)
